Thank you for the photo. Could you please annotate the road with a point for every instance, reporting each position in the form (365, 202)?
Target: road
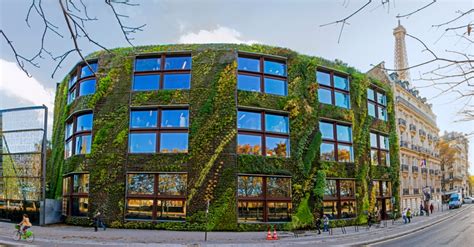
(456, 231)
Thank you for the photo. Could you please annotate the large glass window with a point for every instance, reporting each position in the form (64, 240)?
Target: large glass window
(337, 142)
(379, 149)
(271, 80)
(169, 136)
(383, 194)
(339, 199)
(78, 136)
(262, 133)
(334, 89)
(377, 104)
(162, 72)
(82, 81)
(76, 194)
(264, 198)
(156, 196)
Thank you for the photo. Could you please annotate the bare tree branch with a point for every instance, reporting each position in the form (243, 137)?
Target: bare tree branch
(126, 30)
(416, 11)
(455, 19)
(20, 60)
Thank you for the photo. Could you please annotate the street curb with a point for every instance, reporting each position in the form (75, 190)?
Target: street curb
(406, 233)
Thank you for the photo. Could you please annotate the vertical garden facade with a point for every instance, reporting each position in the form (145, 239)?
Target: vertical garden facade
(151, 136)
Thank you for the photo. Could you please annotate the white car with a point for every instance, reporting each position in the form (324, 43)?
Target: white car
(468, 200)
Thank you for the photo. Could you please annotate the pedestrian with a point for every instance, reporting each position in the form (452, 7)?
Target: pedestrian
(404, 216)
(98, 222)
(318, 225)
(409, 215)
(421, 209)
(326, 223)
(369, 220)
(431, 208)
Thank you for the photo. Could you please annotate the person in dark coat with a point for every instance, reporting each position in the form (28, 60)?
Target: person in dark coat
(431, 208)
(98, 222)
(318, 225)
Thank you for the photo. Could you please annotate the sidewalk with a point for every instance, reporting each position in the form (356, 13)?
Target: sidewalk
(66, 234)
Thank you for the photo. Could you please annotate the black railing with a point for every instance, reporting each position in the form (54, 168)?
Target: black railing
(406, 192)
(414, 169)
(416, 191)
(405, 168)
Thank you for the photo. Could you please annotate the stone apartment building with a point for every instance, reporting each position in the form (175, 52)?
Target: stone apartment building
(456, 176)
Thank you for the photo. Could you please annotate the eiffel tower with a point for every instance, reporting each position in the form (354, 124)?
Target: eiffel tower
(401, 59)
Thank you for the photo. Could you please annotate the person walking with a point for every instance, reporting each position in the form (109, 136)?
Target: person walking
(431, 208)
(421, 209)
(369, 220)
(318, 225)
(98, 221)
(404, 216)
(409, 215)
(326, 223)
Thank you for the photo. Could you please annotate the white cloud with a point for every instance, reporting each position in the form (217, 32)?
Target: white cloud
(29, 91)
(218, 35)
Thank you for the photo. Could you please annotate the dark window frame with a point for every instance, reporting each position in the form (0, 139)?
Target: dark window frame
(158, 129)
(332, 87)
(339, 199)
(261, 74)
(162, 71)
(376, 103)
(383, 198)
(76, 86)
(70, 195)
(263, 133)
(335, 142)
(73, 119)
(380, 150)
(155, 196)
(265, 199)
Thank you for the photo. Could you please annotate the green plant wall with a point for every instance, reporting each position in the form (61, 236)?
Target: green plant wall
(211, 162)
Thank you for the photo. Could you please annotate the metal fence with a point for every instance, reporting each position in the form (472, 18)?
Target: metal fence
(23, 163)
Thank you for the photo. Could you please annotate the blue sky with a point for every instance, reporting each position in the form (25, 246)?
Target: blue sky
(293, 24)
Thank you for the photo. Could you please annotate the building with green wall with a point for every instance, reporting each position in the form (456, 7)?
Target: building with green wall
(149, 135)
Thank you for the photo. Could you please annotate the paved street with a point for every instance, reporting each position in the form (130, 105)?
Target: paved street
(453, 230)
(457, 231)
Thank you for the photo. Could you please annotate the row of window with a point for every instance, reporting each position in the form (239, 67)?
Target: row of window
(82, 81)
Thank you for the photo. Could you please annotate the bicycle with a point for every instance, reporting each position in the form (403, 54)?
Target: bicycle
(27, 235)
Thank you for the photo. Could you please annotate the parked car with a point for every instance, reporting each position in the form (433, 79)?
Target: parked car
(455, 200)
(468, 200)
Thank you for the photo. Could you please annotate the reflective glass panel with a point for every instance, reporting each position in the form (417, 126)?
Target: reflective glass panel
(348, 209)
(84, 122)
(83, 144)
(68, 130)
(72, 81)
(276, 146)
(248, 83)
(170, 210)
(249, 64)
(342, 100)
(381, 98)
(344, 153)
(249, 144)
(327, 130)
(65, 209)
(249, 120)
(331, 188)
(374, 156)
(249, 186)
(371, 109)
(327, 151)
(279, 211)
(383, 142)
(86, 71)
(386, 188)
(147, 64)
(275, 86)
(330, 209)
(341, 83)
(146, 82)
(140, 184)
(80, 206)
(143, 119)
(71, 96)
(325, 96)
(370, 94)
(172, 184)
(250, 211)
(347, 188)
(384, 158)
(323, 78)
(177, 81)
(376, 187)
(344, 133)
(87, 87)
(278, 187)
(175, 63)
(66, 186)
(382, 113)
(178, 118)
(68, 149)
(174, 142)
(139, 209)
(80, 183)
(373, 140)
(142, 143)
(274, 68)
(276, 123)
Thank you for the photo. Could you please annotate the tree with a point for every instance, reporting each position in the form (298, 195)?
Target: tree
(447, 155)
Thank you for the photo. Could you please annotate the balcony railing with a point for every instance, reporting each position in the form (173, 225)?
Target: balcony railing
(406, 192)
(422, 132)
(424, 171)
(416, 191)
(414, 169)
(432, 172)
(412, 127)
(404, 144)
(404, 168)
(402, 122)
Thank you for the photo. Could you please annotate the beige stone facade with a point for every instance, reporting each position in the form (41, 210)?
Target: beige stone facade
(456, 176)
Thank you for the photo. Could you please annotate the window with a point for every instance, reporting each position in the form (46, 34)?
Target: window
(272, 79)
(156, 196)
(337, 142)
(263, 133)
(161, 130)
(377, 104)
(264, 198)
(76, 194)
(339, 199)
(379, 152)
(78, 136)
(333, 89)
(162, 72)
(82, 81)
(383, 194)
